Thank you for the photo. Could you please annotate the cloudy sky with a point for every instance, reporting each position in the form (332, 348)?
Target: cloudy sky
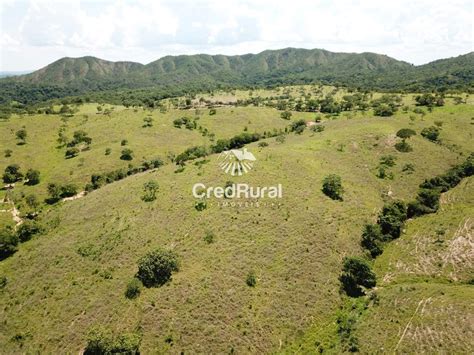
(36, 32)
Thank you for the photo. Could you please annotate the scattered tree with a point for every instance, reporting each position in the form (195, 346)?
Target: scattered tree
(8, 243)
(156, 267)
(32, 177)
(356, 275)
(127, 154)
(150, 188)
(21, 136)
(102, 341)
(405, 133)
(12, 174)
(27, 230)
(71, 152)
(431, 133)
(332, 187)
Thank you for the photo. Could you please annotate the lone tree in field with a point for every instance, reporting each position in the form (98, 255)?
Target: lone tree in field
(332, 187)
(21, 136)
(12, 174)
(33, 177)
(127, 154)
(8, 243)
(286, 115)
(405, 133)
(150, 188)
(431, 133)
(356, 274)
(156, 267)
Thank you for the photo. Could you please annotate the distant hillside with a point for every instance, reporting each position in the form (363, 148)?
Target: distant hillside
(73, 76)
(72, 70)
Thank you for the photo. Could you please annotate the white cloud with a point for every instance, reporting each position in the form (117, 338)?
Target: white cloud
(36, 32)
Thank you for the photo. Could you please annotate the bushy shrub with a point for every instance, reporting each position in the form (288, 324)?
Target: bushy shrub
(150, 188)
(332, 187)
(68, 190)
(251, 279)
(8, 243)
(408, 168)
(200, 205)
(57, 191)
(403, 147)
(126, 154)
(392, 219)
(405, 133)
(372, 239)
(317, 128)
(431, 133)
(133, 288)
(156, 267)
(32, 177)
(80, 137)
(191, 153)
(21, 136)
(3, 282)
(209, 237)
(286, 115)
(388, 160)
(12, 174)
(298, 126)
(71, 152)
(27, 230)
(102, 341)
(356, 274)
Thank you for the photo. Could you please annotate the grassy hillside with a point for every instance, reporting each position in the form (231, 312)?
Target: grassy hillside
(426, 280)
(73, 277)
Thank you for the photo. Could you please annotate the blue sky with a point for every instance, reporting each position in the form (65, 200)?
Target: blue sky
(35, 33)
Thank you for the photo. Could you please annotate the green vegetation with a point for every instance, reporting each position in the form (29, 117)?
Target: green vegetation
(332, 187)
(12, 174)
(156, 267)
(356, 275)
(133, 288)
(150, 189)
(85, 255)
(101, 341)
(8, 243)
(431, 133)
(251, 279)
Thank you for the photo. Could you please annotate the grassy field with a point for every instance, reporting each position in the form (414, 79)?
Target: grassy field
(64, 282)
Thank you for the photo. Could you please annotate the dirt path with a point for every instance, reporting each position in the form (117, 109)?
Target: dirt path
(421, 303)
(75, 197)
(15, 213)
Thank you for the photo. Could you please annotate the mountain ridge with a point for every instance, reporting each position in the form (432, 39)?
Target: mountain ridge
(200, 72)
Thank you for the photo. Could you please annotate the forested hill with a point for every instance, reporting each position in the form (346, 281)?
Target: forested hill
(73, 76)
